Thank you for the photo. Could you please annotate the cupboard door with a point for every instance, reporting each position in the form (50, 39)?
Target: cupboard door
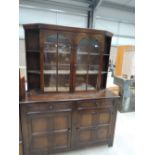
(64, 60)
(61, 130)
(49, 60)
(87, 64)
(85, 127)
(49, 133)
(93, 65)
(103, 125)
(93, 126)
(82, 65)
(57, 61)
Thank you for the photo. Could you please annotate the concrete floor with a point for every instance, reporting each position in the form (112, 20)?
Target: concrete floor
(124, 142)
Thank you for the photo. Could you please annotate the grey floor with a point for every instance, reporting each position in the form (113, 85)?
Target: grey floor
(124, 141)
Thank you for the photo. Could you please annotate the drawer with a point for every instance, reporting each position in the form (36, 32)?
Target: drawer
(104, 103)
(39, 107)
(43, 107)
(62, 106)
(87, 104)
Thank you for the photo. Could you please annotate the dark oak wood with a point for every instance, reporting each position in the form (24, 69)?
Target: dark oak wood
(21, 87)
(67, 105)
(20, 139)
(50, 42)
(59, 122)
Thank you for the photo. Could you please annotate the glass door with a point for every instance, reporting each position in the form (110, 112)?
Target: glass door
(82, 65)
(87, 65)
(57, 51)
(50, 63)
(64, 54)
(94, 60)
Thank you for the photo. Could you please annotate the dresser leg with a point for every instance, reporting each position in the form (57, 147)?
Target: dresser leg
(110, 144)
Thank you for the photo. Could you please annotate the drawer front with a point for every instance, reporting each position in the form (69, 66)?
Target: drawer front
(62, 106)
(49, 107)
(104, 103)
(87, 104)
(39, 107)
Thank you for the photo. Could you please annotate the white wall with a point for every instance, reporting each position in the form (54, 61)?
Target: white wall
(28, 15)
(116, 14)
(120, 30)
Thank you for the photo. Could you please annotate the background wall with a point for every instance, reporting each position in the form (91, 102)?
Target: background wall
(123, 31)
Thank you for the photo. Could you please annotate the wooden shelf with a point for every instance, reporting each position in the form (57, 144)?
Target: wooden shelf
(33, 51)
(83, 72)
(55, 72)
(33, 71)
(90, 88)
(50, 71)
(103, 72)
(52, 52)
(93, 72)
(86, 53)
(49, 89)
(63, 72)
(63, 88)
(83, 87)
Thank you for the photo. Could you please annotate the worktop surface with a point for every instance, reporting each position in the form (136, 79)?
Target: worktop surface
(54, 97)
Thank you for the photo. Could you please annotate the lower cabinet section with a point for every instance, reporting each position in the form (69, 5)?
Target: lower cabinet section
(48, 128)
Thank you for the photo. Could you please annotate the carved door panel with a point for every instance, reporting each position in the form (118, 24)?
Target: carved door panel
(93, 126)
(61, 131)
(49, 133)
(85, 127)
(103, 125)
